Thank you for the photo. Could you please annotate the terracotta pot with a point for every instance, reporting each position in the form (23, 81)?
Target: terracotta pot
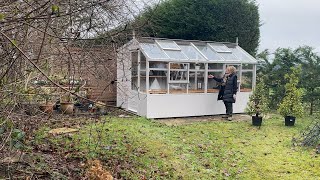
(67, 107)
(47, 108)
(89, 96)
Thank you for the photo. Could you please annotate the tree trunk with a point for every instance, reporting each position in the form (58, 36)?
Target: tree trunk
(311, 101)
(311, 106)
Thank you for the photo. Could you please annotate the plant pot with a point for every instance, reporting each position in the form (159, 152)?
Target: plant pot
(289, 120)
(46, 108)
(67, 107)
(256, 121)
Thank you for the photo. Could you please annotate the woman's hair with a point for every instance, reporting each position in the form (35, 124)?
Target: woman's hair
(231, 69)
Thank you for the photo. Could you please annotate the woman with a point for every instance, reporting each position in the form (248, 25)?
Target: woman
(228, 90)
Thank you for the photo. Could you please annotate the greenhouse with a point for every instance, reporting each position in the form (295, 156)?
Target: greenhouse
(163, 78)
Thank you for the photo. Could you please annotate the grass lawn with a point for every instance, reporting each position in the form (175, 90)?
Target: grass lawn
(137, 148)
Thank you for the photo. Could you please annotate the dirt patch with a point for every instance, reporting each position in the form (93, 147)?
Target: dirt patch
(191, 120)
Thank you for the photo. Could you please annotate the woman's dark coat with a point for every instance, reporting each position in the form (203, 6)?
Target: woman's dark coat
(231, 87)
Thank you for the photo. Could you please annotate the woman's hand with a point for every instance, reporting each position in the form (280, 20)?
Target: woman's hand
(210, 76)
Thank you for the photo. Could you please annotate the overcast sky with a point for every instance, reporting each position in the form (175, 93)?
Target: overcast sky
(286, 23)
(289, 23)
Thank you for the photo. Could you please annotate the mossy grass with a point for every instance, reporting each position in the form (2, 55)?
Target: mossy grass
(143, 148)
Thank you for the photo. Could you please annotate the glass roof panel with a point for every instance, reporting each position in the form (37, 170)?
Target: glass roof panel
(229, 57)
(208, 52)
(198, 51)
(153, 51)
(220, 48)
(176, 55)
(242, 55)
(166, 44)
(191, 52)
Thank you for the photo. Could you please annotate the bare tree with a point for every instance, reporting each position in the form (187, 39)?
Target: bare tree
(43, 42)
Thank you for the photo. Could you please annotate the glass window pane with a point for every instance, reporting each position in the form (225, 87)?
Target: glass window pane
(220, 48)
(158, 65)
(208, 52)
(243, 56)
(158, 82)
(176, 55)
(213, 85)
(229, 57)
(134, 70)
(179, 76)
(215, 66)
(179, 72)
(143, 85)
(197, 66)
(153, 51)
(247, 66)
(143, 61)
(246, 82)
(168, 45)
(196, 82)
(191, 52)
(178, 88)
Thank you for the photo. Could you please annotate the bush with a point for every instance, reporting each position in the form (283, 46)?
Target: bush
(258, 101)
(291, 104)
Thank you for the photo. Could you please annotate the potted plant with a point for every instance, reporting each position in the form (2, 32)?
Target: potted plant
(291, 105)
(101, 108)
(258, 103)
(46, 106)
(66, 104)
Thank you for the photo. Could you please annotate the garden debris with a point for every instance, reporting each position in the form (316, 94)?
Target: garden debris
(45, 154)
(13, 158)
(97, 172)
(310, 136)
(64, 130)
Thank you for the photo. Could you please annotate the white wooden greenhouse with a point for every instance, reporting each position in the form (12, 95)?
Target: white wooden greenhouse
(162, 78)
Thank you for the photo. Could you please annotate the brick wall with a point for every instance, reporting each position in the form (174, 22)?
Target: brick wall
(95, 65)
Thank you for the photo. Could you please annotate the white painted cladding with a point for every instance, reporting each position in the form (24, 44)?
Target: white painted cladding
(184, 105)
